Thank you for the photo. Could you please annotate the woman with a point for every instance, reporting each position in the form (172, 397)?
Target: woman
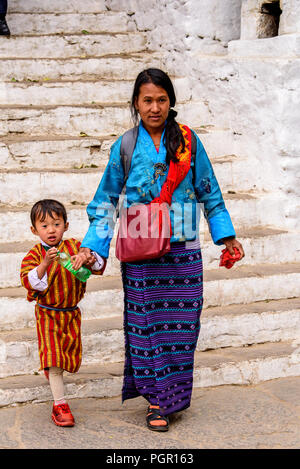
(162, 297)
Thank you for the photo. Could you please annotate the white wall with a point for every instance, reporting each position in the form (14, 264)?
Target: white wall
(290, 17)
(180, 25)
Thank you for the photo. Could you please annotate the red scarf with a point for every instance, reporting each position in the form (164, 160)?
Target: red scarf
(177, 170)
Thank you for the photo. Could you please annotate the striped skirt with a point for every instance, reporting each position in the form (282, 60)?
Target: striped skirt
(162, 305)
(59, 338)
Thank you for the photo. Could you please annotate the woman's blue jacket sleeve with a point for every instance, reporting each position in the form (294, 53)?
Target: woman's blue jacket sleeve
(208, 193)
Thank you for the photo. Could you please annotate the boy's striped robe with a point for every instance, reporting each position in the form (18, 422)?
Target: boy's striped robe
(58, 329)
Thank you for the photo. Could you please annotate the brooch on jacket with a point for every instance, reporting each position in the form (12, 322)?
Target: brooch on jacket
(159, 169)
(206, 185)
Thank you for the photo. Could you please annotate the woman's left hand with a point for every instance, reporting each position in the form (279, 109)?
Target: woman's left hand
(232, 243)
(79, 259)
(89, 259)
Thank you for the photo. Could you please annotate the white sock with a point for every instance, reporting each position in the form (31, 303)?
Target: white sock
(57, 385)
(60, 401)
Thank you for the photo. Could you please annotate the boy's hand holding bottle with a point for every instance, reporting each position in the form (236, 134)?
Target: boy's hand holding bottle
(48, 259)
(75, 264)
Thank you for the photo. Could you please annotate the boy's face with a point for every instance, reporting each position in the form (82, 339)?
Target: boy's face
(51, 229)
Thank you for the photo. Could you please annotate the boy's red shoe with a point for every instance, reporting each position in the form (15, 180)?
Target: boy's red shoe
(62, 416)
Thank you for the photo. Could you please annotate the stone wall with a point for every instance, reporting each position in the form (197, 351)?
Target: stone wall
(290, 18)
(185, 25)
(257, 23)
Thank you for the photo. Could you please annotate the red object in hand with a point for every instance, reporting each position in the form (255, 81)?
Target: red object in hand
(227, 260)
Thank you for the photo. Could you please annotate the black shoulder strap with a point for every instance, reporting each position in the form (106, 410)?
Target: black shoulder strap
(127, 148)
(128, 145)
(193, 151)
(194, 145)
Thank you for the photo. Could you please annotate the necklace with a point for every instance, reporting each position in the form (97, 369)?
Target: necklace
(159, 169)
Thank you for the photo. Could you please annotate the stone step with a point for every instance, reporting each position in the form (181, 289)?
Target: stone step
(49, 152)
(44, 151)
(218, 284)
(29, 186)
(103, 339)
(250, 283)
(102, 120)
(246, 211)
(241, 284)
(254, 209)
(115, 66)
(70, 46)
(240, 366)
(220, 141)
(94, 120)
(232, 177)
(79, 92)
(25, 187)
(16, 312)
(69, 23)
(280, 46)
(56, 6)
(64, 93)
(260, 244)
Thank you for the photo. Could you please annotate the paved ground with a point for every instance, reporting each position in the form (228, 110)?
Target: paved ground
(262, 416)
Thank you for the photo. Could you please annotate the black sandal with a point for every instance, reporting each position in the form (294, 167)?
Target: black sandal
(155, 414)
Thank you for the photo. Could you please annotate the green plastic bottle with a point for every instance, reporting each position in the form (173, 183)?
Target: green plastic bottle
(64, 259)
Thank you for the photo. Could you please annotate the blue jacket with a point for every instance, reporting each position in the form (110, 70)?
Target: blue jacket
(199, 189)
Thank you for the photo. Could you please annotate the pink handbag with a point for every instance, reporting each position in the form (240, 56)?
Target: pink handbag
(145, 229)
(144, 232)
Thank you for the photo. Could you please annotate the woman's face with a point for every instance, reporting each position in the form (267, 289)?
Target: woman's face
(153, 105)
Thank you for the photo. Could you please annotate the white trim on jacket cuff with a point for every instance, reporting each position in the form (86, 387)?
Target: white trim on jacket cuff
(37, 283)
(99, 261)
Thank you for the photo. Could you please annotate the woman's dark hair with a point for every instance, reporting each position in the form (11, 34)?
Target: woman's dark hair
(173, 136)
(45, 207)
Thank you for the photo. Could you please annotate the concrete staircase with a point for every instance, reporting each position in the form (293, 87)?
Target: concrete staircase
(65, 82)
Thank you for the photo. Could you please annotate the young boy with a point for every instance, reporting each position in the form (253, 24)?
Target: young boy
(56, 292)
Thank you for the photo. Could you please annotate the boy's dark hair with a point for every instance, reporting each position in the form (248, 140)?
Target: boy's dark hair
(45, 207)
